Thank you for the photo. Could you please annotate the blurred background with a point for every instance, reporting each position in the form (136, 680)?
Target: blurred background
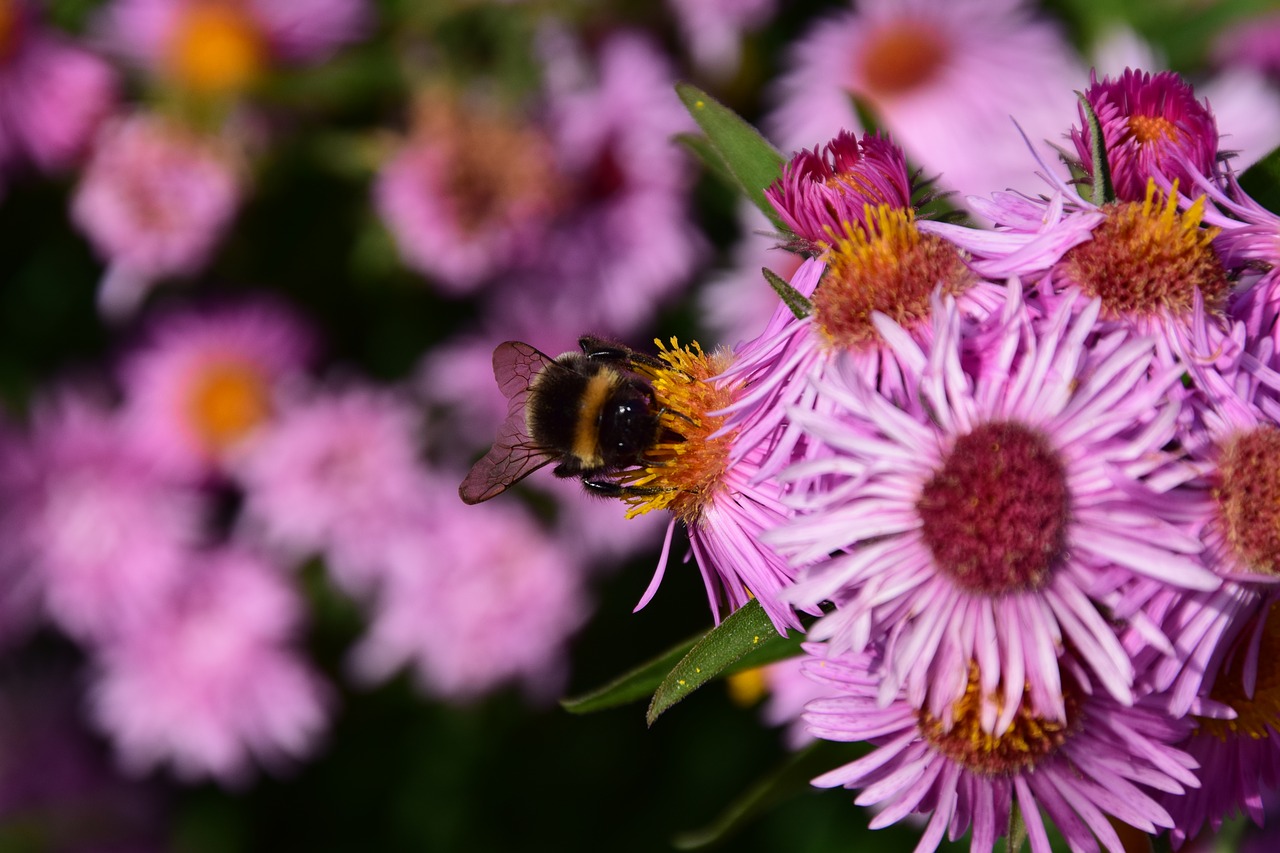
(254, 259)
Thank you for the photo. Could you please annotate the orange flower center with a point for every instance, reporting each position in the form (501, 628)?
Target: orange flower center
(227, 399)
(900, 57)
(1248, 496)
(216, 49)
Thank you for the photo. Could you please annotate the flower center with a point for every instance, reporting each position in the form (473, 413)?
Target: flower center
(10, 20)
(216, 48)
(890, 267)
(995, 514)
(684, 470)
(227, 399)
(1019, 749)
(1149, 129)
(497, 173)
(1248, 497)
(1147, 259)
(1257, 717)
(900, 57)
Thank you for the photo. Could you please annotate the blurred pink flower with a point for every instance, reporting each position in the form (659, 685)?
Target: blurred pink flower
(625, 240)
(1252, 43)
(211, 682)
(204, 381)
(339, 473)
(53, 93)
(155, 200)
(945, 78)
(103, 537)
(714, 30)
(479, 598)
(221, 47)
(468, 194)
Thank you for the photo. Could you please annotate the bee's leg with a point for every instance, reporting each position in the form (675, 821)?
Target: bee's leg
(610, 489)
(567, 469)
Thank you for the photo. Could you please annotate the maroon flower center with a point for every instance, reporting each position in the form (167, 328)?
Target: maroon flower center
(1248, 496)
(995, 514)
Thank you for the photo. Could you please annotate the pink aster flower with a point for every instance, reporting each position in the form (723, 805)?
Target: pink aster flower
(943, 78)
(714, 30)
(92, 524)
(1103, 762)
(213, 683)
(1252, 43)
(204, 381)
(1152, 126)
(973, 522)
(475, 598)
(468, 195)
(1239, 749)
(821, 193)
(155, 201)
(222, 47)
(53, 93)
(338, 472)
(624, 240)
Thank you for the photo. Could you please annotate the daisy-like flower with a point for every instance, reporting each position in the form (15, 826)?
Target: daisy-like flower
(91, 524)
(338, 473)
(473, 598)
(1152, 125)
(624, 240)
(213, 683)
(942, 77)
(1252, 43)
(884, 261)
(710, 485)
(214, 48)
(1099, 762)
(822, 193)
(53, 93)
(1238, 751)
(155, 200)
(468, 194)
(204, 381)
(974, 521)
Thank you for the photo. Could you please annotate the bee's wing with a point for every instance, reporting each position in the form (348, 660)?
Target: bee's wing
(513, 456)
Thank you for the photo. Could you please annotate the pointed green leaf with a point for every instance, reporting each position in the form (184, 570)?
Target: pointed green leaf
(753, 162)
(1103, 191)
(706, 152)
(790, 779)
(792, 298)
(1262, 181)
(745, 635)
(631, 686)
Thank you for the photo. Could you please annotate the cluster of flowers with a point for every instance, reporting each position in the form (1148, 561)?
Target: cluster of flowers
(1023, 478)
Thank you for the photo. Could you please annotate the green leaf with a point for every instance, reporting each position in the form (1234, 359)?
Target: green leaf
(1262, 181)
(792, 298)
(631, 686)
(790, 779)
(753, 162)
(1103, 191)
(710, 157)
(746, 635)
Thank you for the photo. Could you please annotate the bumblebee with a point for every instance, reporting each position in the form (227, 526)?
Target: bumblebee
(590, 411)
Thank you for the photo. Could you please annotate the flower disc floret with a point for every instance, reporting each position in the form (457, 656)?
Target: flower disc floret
(1247, 493)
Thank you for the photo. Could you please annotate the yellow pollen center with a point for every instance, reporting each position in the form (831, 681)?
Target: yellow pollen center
(1247, 492)
(1148, 129)
(216, 48)
(227, 399)
(686, 467)
(1257, 716)
(748, 687)
(1147, 259)
(900, 57)
(890, 267)
(1028, 740)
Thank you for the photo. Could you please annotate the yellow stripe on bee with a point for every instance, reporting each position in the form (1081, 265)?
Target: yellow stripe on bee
(586, 434)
